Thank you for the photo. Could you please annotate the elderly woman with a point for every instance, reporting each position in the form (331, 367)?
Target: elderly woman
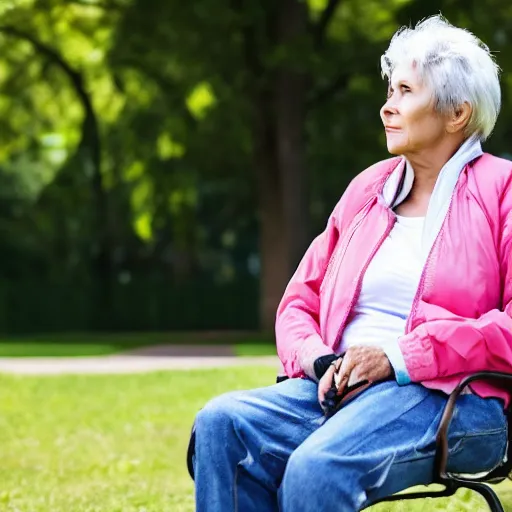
(409, 288)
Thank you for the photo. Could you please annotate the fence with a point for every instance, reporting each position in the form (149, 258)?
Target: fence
(142, 304)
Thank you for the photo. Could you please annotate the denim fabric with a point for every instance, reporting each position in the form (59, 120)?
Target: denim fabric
(271, 449)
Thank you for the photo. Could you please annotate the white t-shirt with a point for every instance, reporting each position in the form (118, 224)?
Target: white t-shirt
(388, 288)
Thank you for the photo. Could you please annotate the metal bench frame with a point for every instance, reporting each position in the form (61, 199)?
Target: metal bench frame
(451, 482)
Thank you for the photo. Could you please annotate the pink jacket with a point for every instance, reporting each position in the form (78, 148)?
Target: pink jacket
(460, 321)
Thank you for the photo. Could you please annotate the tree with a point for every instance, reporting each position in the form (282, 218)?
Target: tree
(269, 63)
(177, 140)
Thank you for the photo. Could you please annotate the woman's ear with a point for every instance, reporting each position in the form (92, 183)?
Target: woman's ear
(459, 118)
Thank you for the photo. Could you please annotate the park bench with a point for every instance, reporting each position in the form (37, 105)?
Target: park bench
(450, 482)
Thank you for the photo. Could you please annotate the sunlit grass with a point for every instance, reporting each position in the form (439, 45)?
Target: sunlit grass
(117, 443)
(104, 443)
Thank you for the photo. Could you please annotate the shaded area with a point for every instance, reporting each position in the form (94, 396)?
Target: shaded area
(164, 164)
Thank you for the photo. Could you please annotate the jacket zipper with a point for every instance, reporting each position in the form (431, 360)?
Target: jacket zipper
(426, 268)
(360, 277)
(339, 254)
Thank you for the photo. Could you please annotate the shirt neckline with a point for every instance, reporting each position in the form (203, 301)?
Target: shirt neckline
(410, 221)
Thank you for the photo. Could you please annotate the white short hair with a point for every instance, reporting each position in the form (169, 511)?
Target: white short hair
(455, 64)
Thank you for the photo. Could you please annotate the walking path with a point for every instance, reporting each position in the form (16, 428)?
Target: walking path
(161, 357)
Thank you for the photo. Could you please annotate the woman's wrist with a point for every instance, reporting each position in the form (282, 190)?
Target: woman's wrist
(321, 364)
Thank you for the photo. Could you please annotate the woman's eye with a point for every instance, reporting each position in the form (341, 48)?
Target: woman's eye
(405, 88)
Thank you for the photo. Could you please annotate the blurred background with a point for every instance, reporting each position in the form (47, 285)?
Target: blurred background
(165, 164)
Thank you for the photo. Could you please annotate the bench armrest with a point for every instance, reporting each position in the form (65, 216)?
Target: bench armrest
(441, 459)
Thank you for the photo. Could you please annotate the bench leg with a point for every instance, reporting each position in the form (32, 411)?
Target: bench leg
(191, 452)
(489, 495)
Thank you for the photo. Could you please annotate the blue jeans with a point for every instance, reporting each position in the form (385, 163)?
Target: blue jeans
(271, 449)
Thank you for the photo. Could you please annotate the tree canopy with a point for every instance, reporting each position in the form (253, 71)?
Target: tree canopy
(166, 158)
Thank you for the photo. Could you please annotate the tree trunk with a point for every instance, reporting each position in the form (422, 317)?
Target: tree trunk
(273, 245)
(291, 90)
(281, 168)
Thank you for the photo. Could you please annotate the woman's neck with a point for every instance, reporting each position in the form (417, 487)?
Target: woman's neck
(427, 164)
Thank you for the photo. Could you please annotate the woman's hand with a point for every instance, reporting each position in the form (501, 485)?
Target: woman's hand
(362, 363)
(326, 381)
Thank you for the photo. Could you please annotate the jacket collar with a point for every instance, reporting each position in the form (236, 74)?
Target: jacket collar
(448, 176)
(400, 181)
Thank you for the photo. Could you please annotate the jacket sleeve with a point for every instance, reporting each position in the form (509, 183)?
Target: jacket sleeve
(448, 344)
(298, 338)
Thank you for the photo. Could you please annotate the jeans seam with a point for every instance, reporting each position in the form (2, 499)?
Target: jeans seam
(456, 449)
(407, 460)
(487, 432)
(235, 487)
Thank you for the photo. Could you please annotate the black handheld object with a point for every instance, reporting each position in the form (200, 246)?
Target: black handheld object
(333, 401)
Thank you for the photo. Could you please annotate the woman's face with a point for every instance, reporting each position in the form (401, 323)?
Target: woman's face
(409, 118)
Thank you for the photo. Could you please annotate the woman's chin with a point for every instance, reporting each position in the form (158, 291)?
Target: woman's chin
(395, 149)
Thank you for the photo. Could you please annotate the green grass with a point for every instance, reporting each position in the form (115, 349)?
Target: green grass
(117, 443)
(49, 349)
(98, 344)
(255, 349)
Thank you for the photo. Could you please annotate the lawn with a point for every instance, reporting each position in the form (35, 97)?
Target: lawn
(117, 443)
(98, 344)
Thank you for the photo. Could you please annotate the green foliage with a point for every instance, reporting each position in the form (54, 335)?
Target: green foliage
(136, 304)
(160, 178)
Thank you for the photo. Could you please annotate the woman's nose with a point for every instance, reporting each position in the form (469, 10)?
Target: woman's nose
(387, 110)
